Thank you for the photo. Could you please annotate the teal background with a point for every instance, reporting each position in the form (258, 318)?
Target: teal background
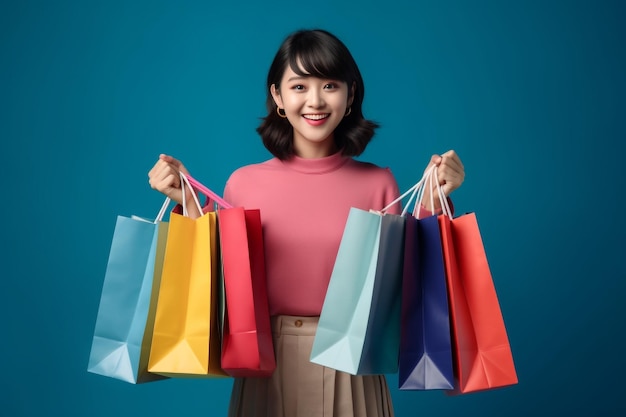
(529, 93)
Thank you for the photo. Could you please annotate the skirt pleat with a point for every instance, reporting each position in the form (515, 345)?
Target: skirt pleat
(300, 388)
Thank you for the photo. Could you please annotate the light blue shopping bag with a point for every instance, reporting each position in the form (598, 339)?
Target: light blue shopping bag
(359, 326)
(123, 331)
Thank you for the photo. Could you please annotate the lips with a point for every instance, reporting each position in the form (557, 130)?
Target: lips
(316, 119)
(316, 116)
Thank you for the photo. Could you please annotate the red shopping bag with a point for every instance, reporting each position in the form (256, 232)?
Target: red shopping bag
(482, 353)
(247, 344)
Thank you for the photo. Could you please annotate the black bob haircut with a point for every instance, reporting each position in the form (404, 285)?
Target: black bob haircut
(320, 54)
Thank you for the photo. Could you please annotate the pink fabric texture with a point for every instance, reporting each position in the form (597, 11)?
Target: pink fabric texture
(304, 206)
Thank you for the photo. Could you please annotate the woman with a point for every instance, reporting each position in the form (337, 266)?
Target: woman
(314, 128)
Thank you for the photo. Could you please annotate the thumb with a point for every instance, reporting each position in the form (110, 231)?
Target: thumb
(169, 159)
(434, 160)
(173, 161)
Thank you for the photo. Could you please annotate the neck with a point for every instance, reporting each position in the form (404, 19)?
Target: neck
(310, 150)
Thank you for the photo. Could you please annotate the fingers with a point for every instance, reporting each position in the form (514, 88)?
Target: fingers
(450, 171)
(451, 159)
(435, 160)
(164, 176)
(450, 168)
(174, 162)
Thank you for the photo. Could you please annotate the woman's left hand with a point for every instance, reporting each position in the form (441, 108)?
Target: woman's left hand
(450, 175)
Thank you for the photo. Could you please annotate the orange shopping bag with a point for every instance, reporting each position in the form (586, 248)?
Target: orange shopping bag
(482, 352)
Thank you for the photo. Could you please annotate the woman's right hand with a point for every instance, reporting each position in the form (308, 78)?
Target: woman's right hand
(164, 177)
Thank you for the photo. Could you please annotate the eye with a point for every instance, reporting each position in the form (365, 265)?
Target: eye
(331, 86)
(297, 87)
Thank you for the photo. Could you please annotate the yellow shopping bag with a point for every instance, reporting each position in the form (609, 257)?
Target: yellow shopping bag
(186, 336)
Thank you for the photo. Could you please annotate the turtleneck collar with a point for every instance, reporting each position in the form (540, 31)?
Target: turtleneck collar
(316, 165)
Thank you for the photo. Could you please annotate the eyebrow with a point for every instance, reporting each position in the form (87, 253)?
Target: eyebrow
(304, 77)
(299, 77)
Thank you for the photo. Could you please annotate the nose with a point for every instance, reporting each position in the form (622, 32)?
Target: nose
(315, 98)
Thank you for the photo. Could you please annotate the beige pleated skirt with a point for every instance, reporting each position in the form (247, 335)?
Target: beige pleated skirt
(300, 388)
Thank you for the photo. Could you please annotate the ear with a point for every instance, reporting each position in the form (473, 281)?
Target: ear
(276, 96)
(351, 94)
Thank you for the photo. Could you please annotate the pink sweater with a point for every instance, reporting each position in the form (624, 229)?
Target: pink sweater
(304, 205)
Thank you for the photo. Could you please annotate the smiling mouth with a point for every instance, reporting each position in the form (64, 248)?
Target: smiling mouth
(316, 116)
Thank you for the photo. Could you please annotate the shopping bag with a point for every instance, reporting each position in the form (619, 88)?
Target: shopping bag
(425, 358)
(123, 331)
(186, 340)
(482, 352)
(247, 343)
(359, 326)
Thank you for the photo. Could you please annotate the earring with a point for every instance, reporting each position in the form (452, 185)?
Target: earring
(348, 112)
(283, 114)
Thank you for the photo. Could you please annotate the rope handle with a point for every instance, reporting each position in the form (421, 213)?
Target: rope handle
(184, 182)
(445, 207)
(162, 211)
(416, 191)
(417, 195)
(204, 190)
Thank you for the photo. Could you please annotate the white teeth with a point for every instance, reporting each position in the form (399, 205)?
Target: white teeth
(316, 116)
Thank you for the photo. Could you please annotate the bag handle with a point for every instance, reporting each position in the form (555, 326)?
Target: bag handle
(162, 211)
(159, 217)
(431, 176)
(417, 195)
(184, 182)
(204, 190)
(415, 191)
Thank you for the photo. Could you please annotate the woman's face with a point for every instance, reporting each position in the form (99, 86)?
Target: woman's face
(314, 107)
